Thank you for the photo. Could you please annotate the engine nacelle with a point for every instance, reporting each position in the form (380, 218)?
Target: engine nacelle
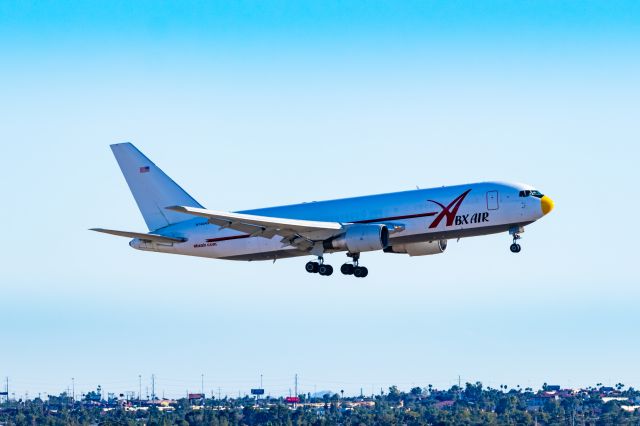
(360, 238)
(419, 249)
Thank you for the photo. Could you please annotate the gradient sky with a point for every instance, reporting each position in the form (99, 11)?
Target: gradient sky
(256, 103)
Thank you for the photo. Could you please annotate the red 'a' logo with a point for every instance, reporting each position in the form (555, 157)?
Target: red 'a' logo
(449, 211)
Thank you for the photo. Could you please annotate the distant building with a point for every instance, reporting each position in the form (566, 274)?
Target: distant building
(444, 404)
(538, 401)
(606, 399)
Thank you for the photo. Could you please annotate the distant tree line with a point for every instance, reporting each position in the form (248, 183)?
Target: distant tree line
(472, 404)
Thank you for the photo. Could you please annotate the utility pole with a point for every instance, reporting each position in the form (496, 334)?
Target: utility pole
(7, 388)
(73, 386)
(296, 386)
(139, 388)
(202, 384)
(153, 387)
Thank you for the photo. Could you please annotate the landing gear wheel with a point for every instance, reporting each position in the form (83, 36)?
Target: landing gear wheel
(354, 269)
(325, 270)
(347, 269)
(360, 272)
(515, 247)
(312, 267)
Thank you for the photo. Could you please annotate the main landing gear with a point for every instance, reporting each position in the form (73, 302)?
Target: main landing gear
(319, 267)
(325, 270)
(353, 268)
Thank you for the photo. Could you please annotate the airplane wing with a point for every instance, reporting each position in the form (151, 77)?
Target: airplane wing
(140, 235)
(299, 233)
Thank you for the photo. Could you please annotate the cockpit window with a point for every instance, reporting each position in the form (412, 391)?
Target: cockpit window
(534, 193)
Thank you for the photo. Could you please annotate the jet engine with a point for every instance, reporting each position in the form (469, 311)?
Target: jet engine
(359, 238)
(419, 249)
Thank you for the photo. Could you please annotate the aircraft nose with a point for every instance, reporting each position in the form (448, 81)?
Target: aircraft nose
(547, 205)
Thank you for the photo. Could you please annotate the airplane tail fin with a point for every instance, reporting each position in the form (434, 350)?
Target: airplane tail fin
(151, 188)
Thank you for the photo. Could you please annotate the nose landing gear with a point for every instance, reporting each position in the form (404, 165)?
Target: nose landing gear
(515, 247)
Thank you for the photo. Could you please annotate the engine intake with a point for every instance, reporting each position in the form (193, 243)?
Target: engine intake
(419, 249)
(360, 238)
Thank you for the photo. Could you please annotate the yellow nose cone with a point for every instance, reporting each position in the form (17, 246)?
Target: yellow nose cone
(546, 204)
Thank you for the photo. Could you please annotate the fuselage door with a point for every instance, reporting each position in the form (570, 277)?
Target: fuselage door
(492, 200)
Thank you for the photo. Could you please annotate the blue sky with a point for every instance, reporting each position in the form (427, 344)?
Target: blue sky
(251, 104)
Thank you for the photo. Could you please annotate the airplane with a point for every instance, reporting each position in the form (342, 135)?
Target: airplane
(416, 222)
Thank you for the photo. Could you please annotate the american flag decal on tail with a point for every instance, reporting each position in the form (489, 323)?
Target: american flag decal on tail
(144, 169)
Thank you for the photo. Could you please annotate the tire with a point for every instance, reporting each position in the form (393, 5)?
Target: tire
(328, 270)
(515, 248)
(365, 272)
(312, 267)
(347, 269)
(358, 272)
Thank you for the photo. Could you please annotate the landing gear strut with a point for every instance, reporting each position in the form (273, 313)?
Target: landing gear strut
(515, 247)
(516, 231)
(319, 267)
(354, 269)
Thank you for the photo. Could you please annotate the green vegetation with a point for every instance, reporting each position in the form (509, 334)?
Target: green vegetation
(471, 405)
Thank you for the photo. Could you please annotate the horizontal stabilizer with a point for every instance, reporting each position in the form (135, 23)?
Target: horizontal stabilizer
(141, 236)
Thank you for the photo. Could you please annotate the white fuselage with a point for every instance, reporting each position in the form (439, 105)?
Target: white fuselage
(424, 215)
